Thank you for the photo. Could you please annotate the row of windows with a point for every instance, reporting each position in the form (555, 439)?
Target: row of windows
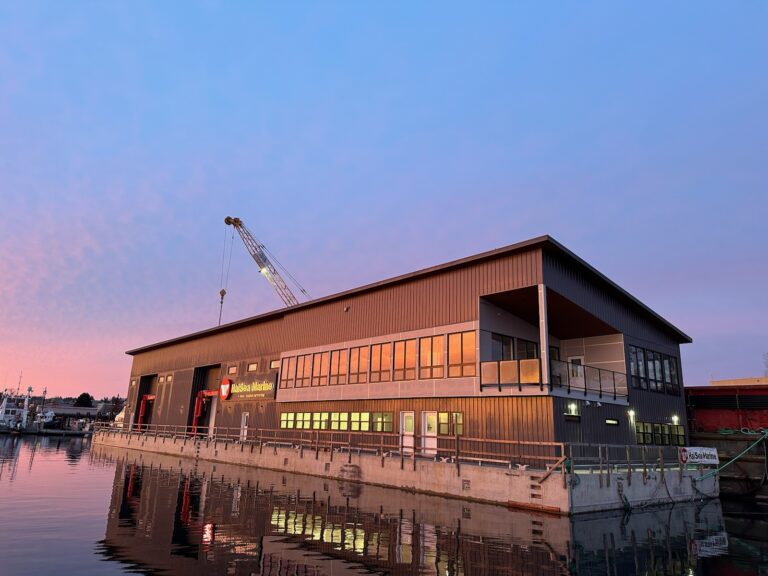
(422, 358)
(509, 348)
(448, 423)
(655, 371)
(660, 434)
(355, 421)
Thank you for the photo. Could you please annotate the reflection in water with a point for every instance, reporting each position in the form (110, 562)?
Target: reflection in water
(174, 516)
(60, 500)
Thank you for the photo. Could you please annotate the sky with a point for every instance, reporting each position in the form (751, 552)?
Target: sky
(362, 140)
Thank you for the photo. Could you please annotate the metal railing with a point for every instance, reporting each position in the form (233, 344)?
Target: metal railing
(524, 375)
(453, 449)
(582, 379)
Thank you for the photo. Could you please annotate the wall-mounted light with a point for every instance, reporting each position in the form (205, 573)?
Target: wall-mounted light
(675, 419)
(573, 409)
(631, 414)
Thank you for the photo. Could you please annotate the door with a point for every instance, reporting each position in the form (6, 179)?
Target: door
(407, 422)
(244, 426)
(576, 371)
(212, 415)
(429, 433)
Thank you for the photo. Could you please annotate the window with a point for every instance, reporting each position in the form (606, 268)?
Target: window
(320, 369)
(286, 420)
(358, 365)
(501, 347)
(432, 357)
(644, 433)
(660, 434)
(252, 367)
(303, 370)
(274, 365)
(527, 350)
(382, 421)
(288, 372)
(450, 423)
(405, 360)
(461, 354)
(655, 371)
(381, 362)
(161, 379)
(232, 370)
(320, 420)
(303, 420)
(339, 360)
(169, 378)
(339, 420)
(360, 421)
(554, 353)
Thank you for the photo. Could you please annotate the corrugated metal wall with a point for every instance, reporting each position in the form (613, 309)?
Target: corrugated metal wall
(445, 297)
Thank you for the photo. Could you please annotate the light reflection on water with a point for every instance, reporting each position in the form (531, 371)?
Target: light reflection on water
(67, 508)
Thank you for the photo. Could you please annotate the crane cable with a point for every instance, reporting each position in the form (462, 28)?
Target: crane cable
(224, 282)
(274, 259)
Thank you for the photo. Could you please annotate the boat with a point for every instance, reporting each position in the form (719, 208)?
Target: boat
(14, 412)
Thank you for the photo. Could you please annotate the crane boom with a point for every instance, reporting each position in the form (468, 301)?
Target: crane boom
(258, 252)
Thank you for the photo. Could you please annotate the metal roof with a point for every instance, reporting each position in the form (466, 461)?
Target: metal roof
(545, 241)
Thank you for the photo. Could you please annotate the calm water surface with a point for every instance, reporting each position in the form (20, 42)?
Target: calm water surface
(67, 508)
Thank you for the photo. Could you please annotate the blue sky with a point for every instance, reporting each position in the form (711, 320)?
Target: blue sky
(364, 140)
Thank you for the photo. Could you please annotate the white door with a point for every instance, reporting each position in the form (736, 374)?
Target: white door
(244, 426)
(429, 433)
(212, 417)
(576, 371)
(407, 421)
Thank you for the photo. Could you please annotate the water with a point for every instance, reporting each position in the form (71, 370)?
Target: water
(69, 508)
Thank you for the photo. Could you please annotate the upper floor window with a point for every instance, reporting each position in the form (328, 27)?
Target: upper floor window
(381, 362)
(462, 355)
(501, 347)
(358, 365)
(339, 361)
(405, 360)
(655, 371)
(288, 372)
(432, 357)
(303, 370)
(527, 350)
(320, 369)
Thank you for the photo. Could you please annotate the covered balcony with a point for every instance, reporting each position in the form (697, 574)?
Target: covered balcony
(534, 341)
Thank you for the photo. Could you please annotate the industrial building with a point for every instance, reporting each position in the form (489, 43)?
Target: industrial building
(526, 342)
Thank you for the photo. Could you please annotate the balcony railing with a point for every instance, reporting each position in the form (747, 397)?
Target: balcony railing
(573, 379)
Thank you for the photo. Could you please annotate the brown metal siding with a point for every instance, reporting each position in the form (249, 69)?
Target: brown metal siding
(445, 297)
(528, 418)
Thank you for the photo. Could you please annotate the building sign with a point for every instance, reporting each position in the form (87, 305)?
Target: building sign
(698, 455)
(260, 388)
(225, 389)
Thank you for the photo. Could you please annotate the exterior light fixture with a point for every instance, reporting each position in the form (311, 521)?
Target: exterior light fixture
(631, 414)
(572, 409)
(675, 419)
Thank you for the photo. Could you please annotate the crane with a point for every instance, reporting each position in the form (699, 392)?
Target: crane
(267, 269)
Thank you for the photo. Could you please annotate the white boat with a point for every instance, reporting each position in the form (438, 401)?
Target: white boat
(14, 412)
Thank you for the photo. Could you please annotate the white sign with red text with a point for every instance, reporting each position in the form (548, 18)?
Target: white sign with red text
(698, 455)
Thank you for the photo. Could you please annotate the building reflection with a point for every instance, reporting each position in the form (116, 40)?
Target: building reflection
(170, 515)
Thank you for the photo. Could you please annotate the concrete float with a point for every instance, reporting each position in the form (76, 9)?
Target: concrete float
(594, 490)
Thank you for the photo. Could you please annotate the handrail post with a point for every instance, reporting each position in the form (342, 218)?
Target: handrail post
(458, 466)
(498, 374)
(600, 381)
(402, 456)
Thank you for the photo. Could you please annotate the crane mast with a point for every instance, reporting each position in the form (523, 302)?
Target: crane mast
(258, 252)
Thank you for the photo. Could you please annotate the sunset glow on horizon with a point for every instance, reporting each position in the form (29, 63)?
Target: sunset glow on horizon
(363, 141)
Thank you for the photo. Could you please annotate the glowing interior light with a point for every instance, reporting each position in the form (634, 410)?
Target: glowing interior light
(572, 408)
(675, 420)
